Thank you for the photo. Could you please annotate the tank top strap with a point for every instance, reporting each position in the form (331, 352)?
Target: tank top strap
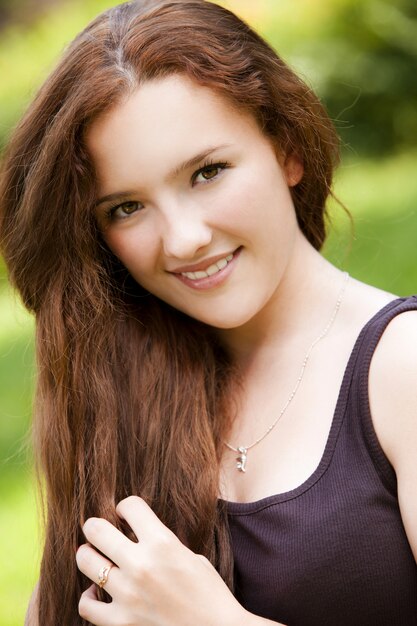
(358, 406)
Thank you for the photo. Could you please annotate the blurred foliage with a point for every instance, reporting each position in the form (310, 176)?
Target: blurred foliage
(380, 248)
(360, 56)
(29, 49)
(22, 11)
(368, 67)
(19, 539)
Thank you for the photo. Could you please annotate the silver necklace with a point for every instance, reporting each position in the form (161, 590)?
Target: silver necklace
(243, 450)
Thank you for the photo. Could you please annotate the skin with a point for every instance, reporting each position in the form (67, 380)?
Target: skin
(154, 579)
(181, 219)
(179, 222)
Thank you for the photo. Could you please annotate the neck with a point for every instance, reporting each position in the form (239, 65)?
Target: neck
(294, 315)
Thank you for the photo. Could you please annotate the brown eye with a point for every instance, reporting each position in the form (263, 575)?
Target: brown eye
(129, 207)
(210, 172)
(123, 211)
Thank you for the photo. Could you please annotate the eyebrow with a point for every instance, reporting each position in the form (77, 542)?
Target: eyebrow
(195, 160)
(122, 195)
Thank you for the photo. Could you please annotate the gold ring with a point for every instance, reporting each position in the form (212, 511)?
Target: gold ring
(103, 575)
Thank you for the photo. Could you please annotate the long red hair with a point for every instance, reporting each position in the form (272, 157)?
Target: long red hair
(131, 397)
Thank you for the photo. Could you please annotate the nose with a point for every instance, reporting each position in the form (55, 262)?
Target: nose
(185, 232)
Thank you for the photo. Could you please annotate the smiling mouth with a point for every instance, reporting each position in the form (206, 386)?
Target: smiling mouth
(211, 270)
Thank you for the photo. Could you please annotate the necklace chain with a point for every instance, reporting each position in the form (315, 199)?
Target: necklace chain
(243, 450)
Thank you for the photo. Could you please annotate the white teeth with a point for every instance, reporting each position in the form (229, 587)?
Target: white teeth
(212, 269)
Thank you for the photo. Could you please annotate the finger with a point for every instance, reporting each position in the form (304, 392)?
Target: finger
(90, 563)
(146, 525)
(94, 611)
(108, 539)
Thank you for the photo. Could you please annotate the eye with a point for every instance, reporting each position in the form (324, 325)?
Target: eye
(124, 210)
(209, 172)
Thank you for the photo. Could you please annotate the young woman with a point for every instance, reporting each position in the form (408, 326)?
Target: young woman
(225, 423)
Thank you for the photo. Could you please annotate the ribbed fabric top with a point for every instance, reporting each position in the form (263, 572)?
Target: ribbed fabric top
(333, 551)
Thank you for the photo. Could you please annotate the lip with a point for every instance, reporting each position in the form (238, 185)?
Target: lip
(215, 280)
(202, 265)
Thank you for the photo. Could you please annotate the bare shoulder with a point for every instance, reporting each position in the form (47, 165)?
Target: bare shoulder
(393, 401)
(362, 302)
(31, 618)
(393, 388)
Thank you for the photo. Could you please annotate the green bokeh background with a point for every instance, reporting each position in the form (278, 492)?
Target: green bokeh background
(361, 57)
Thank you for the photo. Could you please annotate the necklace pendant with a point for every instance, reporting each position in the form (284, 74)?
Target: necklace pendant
(241, 459)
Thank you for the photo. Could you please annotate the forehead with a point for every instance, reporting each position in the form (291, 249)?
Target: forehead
(167, 101)
(168, 119)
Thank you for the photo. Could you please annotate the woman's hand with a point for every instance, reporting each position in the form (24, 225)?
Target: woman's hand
(155, 582)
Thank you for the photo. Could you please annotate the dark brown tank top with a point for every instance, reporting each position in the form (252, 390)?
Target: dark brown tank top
(333, 551)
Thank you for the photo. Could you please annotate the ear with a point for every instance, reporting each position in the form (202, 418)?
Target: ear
(293, 169)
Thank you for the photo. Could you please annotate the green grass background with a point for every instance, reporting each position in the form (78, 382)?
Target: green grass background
(381, 194)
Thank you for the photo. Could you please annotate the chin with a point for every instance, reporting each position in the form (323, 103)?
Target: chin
(227, 320)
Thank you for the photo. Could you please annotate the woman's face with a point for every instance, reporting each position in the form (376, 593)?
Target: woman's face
(194, 201)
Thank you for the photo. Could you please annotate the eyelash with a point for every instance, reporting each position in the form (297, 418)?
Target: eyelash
(208, 165)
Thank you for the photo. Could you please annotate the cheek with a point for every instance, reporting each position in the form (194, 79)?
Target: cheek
(136, 250)
(258, 204)
(237, 205)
